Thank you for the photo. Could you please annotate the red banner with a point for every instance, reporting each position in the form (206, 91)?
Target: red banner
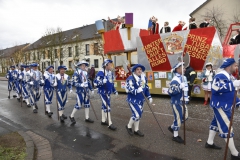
(155, 52)
(198, 44)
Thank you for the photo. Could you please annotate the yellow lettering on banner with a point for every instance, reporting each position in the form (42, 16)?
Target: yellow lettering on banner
(198, 49)
(155, 53)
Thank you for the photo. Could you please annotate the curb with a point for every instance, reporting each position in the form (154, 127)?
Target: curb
(29, 145)
(44, 151)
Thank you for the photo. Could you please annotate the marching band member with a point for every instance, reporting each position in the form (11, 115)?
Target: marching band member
(48, 88)
(177, 86)
(36, 80)
(136, 86)
(16, 82)
(81, 82)
(10, 77)
(25, 87)
(61, 82)
(223, 88)
(105, 86)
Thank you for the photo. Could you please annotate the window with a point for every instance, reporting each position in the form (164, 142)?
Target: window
(29, 54)
(96, 63)
(87, 49)
(76, 51)
(61, 53)
(61, 63)
(34, 56)
(69, 64)
(55, 53)
(69, 51)
(49, 63)
(43, 55)
(38, 56)
(43, 65)
(48, 54)
(95, 48)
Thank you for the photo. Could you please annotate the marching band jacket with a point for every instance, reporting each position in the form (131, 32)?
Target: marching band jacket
(80, 77)
(174, 91)
(108, 87)
(48, 80)
(63, 82)
(223, 91)
(9, 75)
(35, 78)
(132, 85)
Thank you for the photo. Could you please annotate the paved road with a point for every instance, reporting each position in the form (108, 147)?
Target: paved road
(94, 141)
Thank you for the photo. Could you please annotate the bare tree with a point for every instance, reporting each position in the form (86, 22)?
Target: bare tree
(236, 15)
(216, 16)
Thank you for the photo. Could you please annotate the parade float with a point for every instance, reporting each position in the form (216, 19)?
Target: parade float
(160, 52)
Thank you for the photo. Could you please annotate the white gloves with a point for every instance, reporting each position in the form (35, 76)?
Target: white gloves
(46, 76)
(182, 85)
(82, 85)
(139, 90)
(104, 80)
(236, 83)
(20, 77)
(55, 84)
(7, 77)
(150, 100)
(70, 91)
(42, 81)
(116, 93)
(31, 83)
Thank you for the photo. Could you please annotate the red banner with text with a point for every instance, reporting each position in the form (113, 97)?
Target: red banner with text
(198, 44)
(156, 54)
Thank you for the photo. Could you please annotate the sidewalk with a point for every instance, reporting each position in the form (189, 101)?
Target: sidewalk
(3, 79)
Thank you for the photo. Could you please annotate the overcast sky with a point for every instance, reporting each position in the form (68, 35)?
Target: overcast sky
(25, 21)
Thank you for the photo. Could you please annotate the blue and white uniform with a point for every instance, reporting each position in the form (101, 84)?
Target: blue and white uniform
(81, 82)
(135, 96)
(61, 83)
(178, 85)
(222, 103)
(10, 77)
(223, 92)
(25, 88)
(105, 85)
(48, 88)
(35, 82)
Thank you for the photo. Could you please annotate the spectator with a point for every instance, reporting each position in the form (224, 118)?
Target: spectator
(92, 75)
(205, 23)
(179, 26)
(235, 39)
(207, 79)
(191, 75)
(165, 28)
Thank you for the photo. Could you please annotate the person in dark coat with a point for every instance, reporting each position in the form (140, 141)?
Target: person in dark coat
(165, 28)
(205, 23)
(92, 74)
(191, 75)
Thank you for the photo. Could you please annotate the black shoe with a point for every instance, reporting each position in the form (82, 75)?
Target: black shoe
(14, 96)
(129, 130)
(112, 127)
(8, 97)
(36, 106)
(35, 111)
(28, 105)
(178, 139)
(235, 157)
(65, 117)
(62, 119)
(213, 146)
(46, 112)
(50, 114)
(139, 133)
(89, 120)
(104, 123)
(170, 129)
(72, 120)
